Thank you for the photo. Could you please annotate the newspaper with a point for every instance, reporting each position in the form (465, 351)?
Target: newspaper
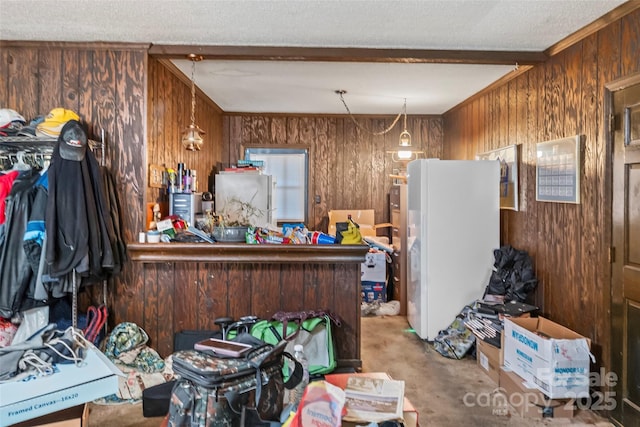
(373, 399)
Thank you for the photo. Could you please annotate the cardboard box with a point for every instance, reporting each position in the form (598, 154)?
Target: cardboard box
(553, 358)
(374, 267)
(490, 359)
(77, 416)
(365, 218)
(409, 413)
(68, 386)
(373, 291)
(531, 402)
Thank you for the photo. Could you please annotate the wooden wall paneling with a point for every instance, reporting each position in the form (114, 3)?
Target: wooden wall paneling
(357, 166)
(153, 104)
(50, 71)
(528, 174)
(212, 295)
(169, 319)
(235, 137)
(23, 87)
(436, 136)
(266, 289)
(543, 211)
(90, 111)
(324, 290)
(311, 299)
(357, 173)
(5, 57)
(572, 92)
(348, 312)
(323, 155)
(609, 58)
(630, 44)
(163, 147)
(561, 97)
(71, 72)
(556, 213)
(308, 137)
(335, 170)
(588, 122)
(278, 130)
(240, 289)
(128, 149)
(378, 175)
(295, 294)
(471, 112)
(186, 295)
(293, 130)
(154, 297)
(261, 131)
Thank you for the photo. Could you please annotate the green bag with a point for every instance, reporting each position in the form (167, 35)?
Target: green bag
(311, 329)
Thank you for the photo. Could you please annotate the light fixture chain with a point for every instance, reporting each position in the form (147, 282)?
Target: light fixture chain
(193, 92)
(364, 128)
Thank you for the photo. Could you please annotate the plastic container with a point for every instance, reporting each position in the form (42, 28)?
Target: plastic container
(320, 238)
(295, 395)
(153, 236)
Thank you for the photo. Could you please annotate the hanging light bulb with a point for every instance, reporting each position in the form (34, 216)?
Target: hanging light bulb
(192, 135)
(404, 153)
(404, 150)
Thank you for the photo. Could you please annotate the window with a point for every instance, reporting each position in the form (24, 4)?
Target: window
(289, 167)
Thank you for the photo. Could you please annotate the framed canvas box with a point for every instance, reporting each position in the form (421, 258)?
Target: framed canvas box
(508, 158)
(558, 170)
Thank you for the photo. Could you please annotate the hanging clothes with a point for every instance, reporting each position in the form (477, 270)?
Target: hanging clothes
(15, 272)
(6, 181)
(77, 225)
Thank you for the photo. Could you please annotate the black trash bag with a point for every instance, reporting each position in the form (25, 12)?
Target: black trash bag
(513, 275)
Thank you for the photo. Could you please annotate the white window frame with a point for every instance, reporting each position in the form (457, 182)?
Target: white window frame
(284, 191)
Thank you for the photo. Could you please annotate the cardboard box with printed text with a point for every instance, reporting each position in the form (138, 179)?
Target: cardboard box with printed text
(531, 402)
(70, 385)
(553, 358)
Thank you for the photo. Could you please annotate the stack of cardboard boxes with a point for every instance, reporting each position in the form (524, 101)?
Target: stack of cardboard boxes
(374, 277)
(541, 367)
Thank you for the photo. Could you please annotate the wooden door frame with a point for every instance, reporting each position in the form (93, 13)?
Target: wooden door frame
(609, 90)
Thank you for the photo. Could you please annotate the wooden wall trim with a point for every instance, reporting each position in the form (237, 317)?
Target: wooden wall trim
(93, 46)
(243, 253)
(600, 23)
(295, 53)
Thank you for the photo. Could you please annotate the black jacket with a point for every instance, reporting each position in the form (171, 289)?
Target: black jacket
(78, 223)
(15, 271)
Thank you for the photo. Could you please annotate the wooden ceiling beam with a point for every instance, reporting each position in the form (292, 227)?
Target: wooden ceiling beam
(323, 54)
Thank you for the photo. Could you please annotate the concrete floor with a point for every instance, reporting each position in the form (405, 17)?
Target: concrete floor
(435, 385)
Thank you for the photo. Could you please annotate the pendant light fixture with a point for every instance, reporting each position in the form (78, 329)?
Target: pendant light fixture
(404, 153)
(192, 135)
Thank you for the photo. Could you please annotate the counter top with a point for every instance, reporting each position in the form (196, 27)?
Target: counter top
(245, 253)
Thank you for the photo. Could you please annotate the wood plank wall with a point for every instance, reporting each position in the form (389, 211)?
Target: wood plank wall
(349, 167)
(169, 114)
(142, 107)
(563, 97)
(106, 86)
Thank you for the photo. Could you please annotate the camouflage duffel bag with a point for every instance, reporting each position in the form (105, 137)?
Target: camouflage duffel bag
(217, 392)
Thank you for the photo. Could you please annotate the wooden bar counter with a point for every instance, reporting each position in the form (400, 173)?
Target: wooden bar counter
(185, 286)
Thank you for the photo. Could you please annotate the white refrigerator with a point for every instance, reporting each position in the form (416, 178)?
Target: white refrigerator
(453, 227)
(234, 189)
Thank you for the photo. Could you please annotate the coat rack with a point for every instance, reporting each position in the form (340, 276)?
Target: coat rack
(37, 151)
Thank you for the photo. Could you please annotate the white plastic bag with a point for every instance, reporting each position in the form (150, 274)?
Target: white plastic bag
(33, 320)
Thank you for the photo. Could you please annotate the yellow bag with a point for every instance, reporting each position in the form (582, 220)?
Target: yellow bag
(349, 232)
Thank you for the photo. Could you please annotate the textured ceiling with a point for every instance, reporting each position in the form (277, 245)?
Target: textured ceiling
(308, 87)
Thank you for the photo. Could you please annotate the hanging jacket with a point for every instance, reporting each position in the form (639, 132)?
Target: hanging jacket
(78, 224)
(15, 270)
